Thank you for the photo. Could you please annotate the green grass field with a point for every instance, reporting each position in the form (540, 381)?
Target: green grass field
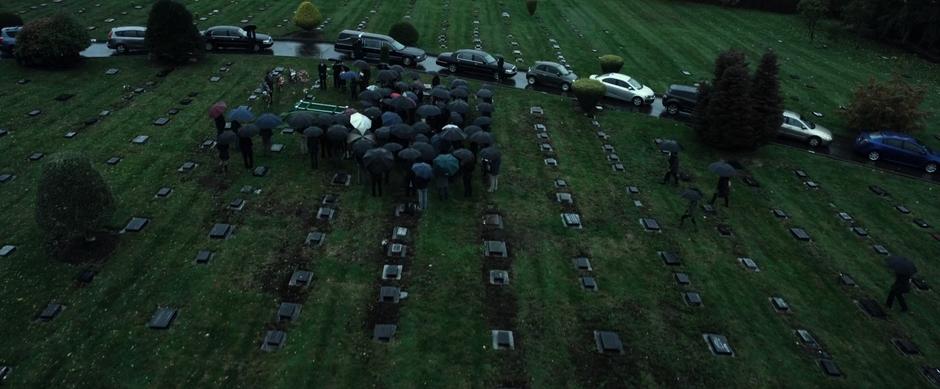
(101, 339)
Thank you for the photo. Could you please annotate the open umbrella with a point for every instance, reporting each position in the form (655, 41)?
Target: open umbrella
(481, 138)
(217, 109)
(403, 131)
(428, 110)
(427, 151)
(440, 93)
(471, 129)
(422, 127)
(355, 136)
(458, 82)
(485, 108)
(384, 92)
(248, 131)
(349, 75)
(402, 103)
(370, 95)
(360, 147)
(464, 156)
(446, 164)
(373, 113)
(360, 64)
(483, 121)
(402, 86)
(901, 265)
(460, 93)
(313, 132)
(241, 114)
(392, 147)
(455, 118)
(422, 170)
(458, 106)
(360, 122)
(692, 194)
(390, 118)
(485, 94)
(322, 120)
(301, 120)
(388, 75)
(383, 133)
(378, 160)
(491, 153)
(409, 154)
(227, 137)
(670, 146)
(268, 121)
(722, 169)
(397, 69)
(336, 133)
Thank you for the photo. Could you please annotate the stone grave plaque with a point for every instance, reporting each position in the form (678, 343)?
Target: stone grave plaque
(932, 374)
(161, 121)
(140, 139)
(162, 318)
(172, 111)
(6, 177)
(830, 368)
(221, 231)
(389, 294)
(113, 161)
(64, 97)
(539, 127)
(111, 71)
(921, 223)
(391, 272)
(36, 156)
(3, 132)
(287, 131)
(572, 220)
(260, 171)
(104, 113)
(186, 101)
(536, 110)
(650, 224)
(718, 344)
(670, 258)
(164, 192)
(384, 332)
(806, 338)
(608, 342)
(551, 162)
(315, 239)
(50, 312)
(329, 199)
(207, 144)
(542, 136)
(23, 81)
(880, 249)
(633, 190)
(326, 213)
(546, 148)
(749, 264)
(905, 346)
(811, 184)
(560, 183)
(613, 158)
(277, 147)
(617, 167)
(725, 230)
(406, 209)
(34, 112)
(800, 173)
(86, 276)
(5, 372)
(300, 278)
(902, 209)
(6, 250)
(682, 278)
(90, 121)
(582, 263)
(607, 148)
(799, 234)
(779, 304)
(844, 216)
(273, 341)
(136, 224)
(860, 231)
(495, 249)
(396, 250)
(589, 283)
(564, 198)
(503, 340)
(692, 299)
(204, 256)
(602, 135)
(341, 179)
(708, 209)
(499, 277)
(187, 167)
(236, 205)
(920, 283)
(215, 79)
(872, 308)
(877, 190)
(288, 312)
(846, 280)
(399, 234)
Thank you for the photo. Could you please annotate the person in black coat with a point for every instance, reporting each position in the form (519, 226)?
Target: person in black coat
(219, 124)
(246, 146)
(690, 214)
(421, 186)
(500, 73)
(337, 69)
(491, 169)
(466, 173)
(673, 171)
(223, 156)
(435, 81)
(321, 69)
(723, 190)
(365, 77)
(313, 148)
(376, 179)
(902, 285)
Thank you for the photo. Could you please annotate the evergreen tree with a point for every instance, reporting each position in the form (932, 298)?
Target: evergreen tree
(307, 16)
(171, 35)
(700, 115)
(766, 101)
(73, 201)
(729, 111)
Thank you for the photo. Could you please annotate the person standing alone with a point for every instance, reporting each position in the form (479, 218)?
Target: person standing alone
(321, 70)
(673, 171)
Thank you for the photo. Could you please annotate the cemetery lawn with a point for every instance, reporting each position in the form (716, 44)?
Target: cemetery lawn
(443, 338)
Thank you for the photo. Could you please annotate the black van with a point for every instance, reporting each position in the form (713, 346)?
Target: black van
(371, 49)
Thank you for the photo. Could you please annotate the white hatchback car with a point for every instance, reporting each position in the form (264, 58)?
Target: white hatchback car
(623, 87)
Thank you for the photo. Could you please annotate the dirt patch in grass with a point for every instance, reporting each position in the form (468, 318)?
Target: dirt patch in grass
(95, 251)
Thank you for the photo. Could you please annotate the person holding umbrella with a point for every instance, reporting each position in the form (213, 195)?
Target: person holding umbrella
(422, 178)
(724, 171)
(267, 122)
(445, 166)
(337, 70)
(467, 165)
(672, 148)
(246, 145)
(693, 195)
(491, 163)
(222, 143)
(903, 269)
(216, 114)
(321, 70)
(312, 136)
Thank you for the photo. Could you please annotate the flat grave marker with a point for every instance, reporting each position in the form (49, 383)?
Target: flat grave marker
(877, 190)
(499, 277)
(140, 139)
(391, 272)
(902, 209)
(806, 338)
(617, 167)
(921, 223)
(779, 304)
(692, 299)
(300, 278)
(725, 230)
(920, 283)
(670, 258)
(495, 249)
(844, 216)
(6, 177)
(384, 332)
(589, 283)
(50, 311)
(560, 183)
(750, 181)
(204, 256)
(846, 280)
(830, 368)
(905, 346)
(315, 239)
(633, 190)
(572, 220)
(260, 171)
(162, 318)
(7, 250)
(136, 224)
(164, 192)
(493, 220)
(277, 147)
(399, 234)
(503, 340)
(749, 264)
(236, 204)
(582, 263)
(329, 199)
(113, 161)
(389, 294)
(800, 234)
(800, 173)
(288, 312)
(871, 308)
(86, 276)
(650, 225)
(551, 162)
(221, 231)
(273, 341)
(682, 278)
(860, 232)
(341, 179)
(811, 184)
(718, 344)
(36, 156)
(187, 167)
(608, 342)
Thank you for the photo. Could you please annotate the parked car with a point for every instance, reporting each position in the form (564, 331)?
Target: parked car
(898, 148)
(551, 74)
(372, 48)
(127, 39)
(474, 61)
(227, 37)
(622, 87)
(8, 39)
(680, 98)
(797, 127)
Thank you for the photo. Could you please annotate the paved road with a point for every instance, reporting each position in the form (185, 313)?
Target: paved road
(841, 147)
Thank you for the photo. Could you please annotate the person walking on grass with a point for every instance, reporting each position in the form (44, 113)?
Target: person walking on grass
(321, 70)
(723, 190)
(491, 170)
(673, 171)
(248, 153)
(337, 69)
(901, 286)
(442, 182)
(421, 186)
(223, 156)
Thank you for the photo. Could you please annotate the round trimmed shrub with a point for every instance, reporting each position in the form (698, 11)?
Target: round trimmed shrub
(53, 41)
(589, 93)
(531, 6)
(404, 32)
(307, 16)
(8, 19)
(171, 35)
(73, 201)
(611, 63)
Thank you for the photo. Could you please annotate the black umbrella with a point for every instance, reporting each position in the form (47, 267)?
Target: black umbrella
(402, 103)
(402, 86)
(485, 94)
(722, 169)
(372, 113)
(388, 75)
(403, 131)
(458, 82)
(383, 133)
(422, 138)
(369, 95)
(341, 119)
(670, 146)
(384, 92)
(464, 156)
(460, 93)
(692, 194)
(485, 108)
(337, 133)
(453, 134)
(378, 160)
(323, 120)
(458, 106)
(356, 136)
(360, 64)
(397, 69)
(409, 154)
(427, 151)
(422, 127)
(901, 265)
(483, 121)
(440, 93)
(471, 129)
(481, 138)
(300, 120)
(248, 131)
(491, 153)
(313, 132)
(392, 147)
(428, 110)
(362, 146)
(455, 118)
(226, 138)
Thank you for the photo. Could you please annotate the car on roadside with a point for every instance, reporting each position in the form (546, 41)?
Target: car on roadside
(475, 61)
(231, 37)
(8, 39)
(551, 74)
(680, 98)
(898, 148)
(623, 87)
(797, 127)
(127, 39)
(372, 45)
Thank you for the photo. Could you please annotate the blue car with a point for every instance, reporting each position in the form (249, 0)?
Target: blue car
(8, 39)
(896, 147)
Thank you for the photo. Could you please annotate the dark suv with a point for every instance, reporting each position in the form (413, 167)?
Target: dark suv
(371, 48)
(680, 98)
(225, 37)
